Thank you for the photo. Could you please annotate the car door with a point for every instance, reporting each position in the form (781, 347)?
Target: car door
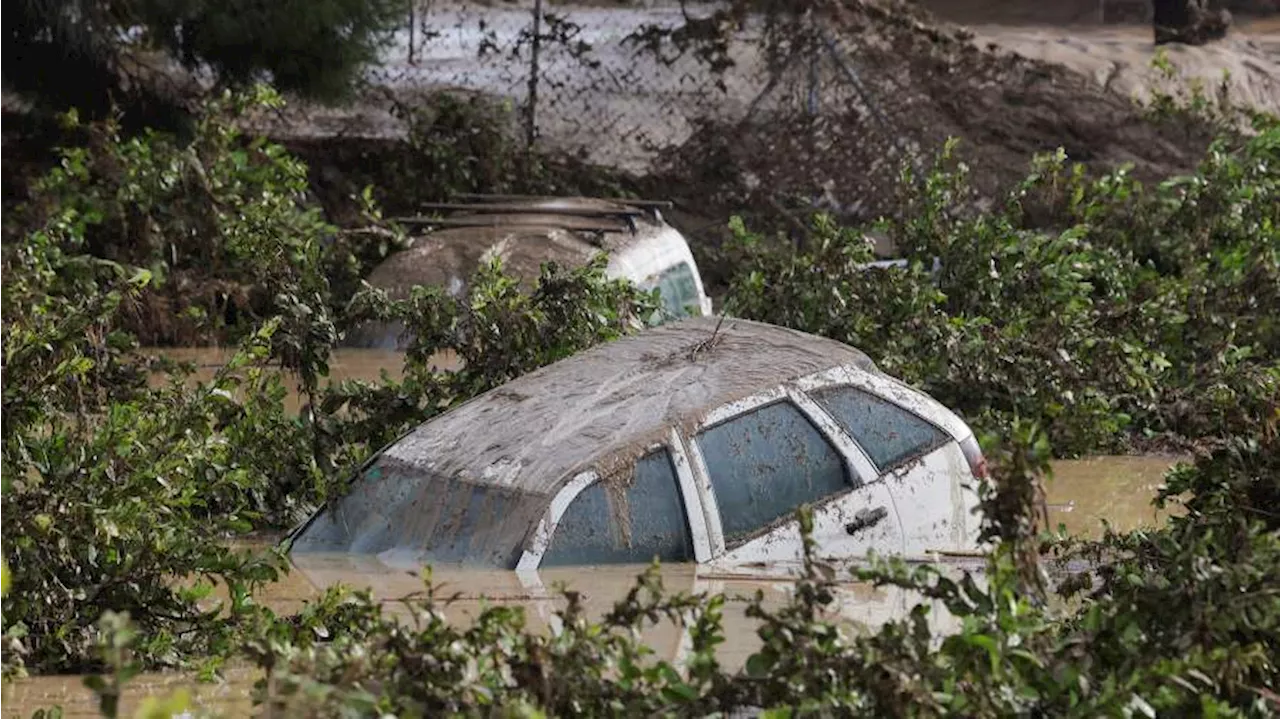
(758, 460)
(923, 466)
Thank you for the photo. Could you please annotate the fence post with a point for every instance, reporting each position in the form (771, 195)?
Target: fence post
(813, 85)
(531, 116)
(412, 24)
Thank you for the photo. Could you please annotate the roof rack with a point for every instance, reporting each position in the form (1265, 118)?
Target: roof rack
(618, 226)
(500, 209)
(664, 204)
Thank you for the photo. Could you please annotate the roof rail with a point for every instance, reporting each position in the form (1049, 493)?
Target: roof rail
(551, 224)
(482, 197)
(500, 209)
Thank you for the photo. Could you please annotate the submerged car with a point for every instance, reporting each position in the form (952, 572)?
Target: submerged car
(524, 232)
(694, 441)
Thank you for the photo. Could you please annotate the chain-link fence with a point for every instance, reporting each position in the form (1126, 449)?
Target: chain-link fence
(575, 74)
(821, 109)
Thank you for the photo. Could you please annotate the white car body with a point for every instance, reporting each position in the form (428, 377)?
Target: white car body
(691, 442)
(640, 245)
(934, 490)
(654, 252)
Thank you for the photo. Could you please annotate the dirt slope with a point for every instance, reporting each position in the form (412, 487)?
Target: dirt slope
(919, 83)
(1068, 12)
(1120, 57)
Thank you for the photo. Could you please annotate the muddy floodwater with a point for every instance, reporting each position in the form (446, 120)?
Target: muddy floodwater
(1084, 492)
(1080, 496)
(346, 363)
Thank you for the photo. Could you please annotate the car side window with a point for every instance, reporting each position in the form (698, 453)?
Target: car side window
(889, 434)
(634, 525)
(766, 463)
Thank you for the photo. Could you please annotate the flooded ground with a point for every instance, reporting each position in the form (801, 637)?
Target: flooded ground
(1084, 492)
(857, 605)
(359, 364)
(1081, 494)
(232, 698)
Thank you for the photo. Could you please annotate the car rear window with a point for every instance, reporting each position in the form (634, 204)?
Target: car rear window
(397, 506)
(764, 464)
(639, 522)
(889, 434)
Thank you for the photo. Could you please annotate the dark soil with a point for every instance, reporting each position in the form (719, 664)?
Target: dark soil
(921, 83)
(26, 152)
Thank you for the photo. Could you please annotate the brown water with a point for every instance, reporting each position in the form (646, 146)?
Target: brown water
(1084, 492)
(1081, 494)
(360, 364)
(468, 592)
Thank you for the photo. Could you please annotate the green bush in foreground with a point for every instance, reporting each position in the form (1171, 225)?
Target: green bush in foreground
(1183, 620)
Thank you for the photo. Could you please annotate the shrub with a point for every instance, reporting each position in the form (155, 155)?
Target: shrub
(1145, 313)
(120, 471)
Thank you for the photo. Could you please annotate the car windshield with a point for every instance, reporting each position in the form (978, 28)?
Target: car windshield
(397, 507)
(678, 291)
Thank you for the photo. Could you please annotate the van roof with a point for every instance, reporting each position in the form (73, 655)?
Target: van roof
(560, 230)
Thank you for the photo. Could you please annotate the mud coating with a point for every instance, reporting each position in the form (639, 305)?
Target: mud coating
(598, 410)
(888, 434)
(607, 524)
(464, 524)
(766, 463)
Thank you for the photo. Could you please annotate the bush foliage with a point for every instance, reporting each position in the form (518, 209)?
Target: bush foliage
(1148, 311)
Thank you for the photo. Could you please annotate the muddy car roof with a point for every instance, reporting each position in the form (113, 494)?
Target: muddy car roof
(470, 485)
(547, 232)
(608, 404)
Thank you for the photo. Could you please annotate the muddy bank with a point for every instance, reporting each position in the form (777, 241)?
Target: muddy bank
(1120, 59)
(1069, 12)
(917, 85)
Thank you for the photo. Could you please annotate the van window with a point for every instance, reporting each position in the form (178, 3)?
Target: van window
(766, 463)
(889, 434)
(678, 290)
(636, 524)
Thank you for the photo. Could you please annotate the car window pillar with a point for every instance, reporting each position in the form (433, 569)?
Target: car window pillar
(537, 546)
(695, 512)
(861, 469)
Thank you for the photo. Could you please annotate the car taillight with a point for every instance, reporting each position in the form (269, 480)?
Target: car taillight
(973, 453)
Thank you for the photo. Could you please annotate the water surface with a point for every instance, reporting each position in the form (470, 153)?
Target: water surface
(1081, 494)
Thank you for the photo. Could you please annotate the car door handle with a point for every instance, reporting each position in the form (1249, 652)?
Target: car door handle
(866, 519)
